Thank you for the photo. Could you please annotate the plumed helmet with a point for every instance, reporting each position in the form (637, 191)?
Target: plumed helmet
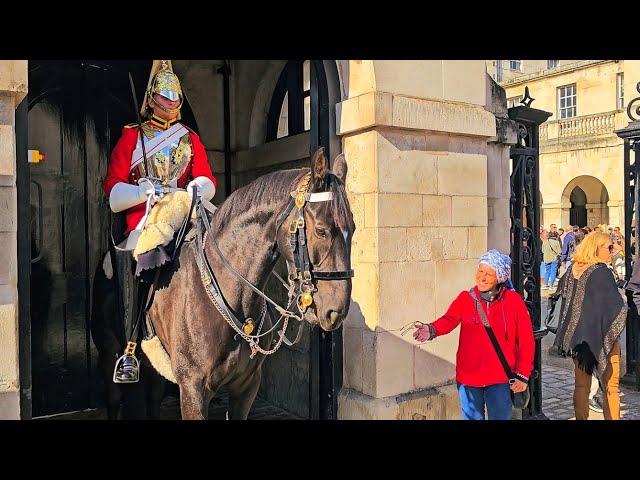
(164, 82)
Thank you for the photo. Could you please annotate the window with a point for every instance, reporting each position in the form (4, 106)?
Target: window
(620, 91)
(290, 110)
(515, 65)
(514, 101)
(567, 101)
(552, 63)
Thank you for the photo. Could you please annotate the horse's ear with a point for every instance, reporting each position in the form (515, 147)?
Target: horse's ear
(340, 168)
(319, 169)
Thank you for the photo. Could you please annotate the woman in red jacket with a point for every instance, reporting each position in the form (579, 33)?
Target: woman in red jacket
(481, 378)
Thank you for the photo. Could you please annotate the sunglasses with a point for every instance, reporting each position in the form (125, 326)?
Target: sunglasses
(610, 248)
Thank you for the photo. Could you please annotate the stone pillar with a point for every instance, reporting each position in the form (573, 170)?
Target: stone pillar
(499, 169)
(13, 89)
(616, 214)
(418, 189)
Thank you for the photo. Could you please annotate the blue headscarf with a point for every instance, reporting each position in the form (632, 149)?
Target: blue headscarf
(501, 263)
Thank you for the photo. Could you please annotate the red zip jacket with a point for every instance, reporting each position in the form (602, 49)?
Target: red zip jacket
(119, 169)
(477, 363)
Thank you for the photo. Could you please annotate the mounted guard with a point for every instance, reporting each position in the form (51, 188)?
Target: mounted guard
(154, 171)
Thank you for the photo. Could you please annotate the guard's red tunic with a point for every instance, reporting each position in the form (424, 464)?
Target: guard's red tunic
(119, 169)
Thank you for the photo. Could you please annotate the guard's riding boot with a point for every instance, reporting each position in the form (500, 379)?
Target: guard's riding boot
(127, 369)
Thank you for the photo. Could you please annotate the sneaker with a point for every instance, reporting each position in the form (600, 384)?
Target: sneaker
(595, 404)
(544, 287)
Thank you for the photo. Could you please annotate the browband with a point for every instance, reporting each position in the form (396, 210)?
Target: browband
(318, 197)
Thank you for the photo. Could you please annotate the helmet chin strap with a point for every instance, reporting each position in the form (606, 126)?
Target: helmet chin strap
(165, 109)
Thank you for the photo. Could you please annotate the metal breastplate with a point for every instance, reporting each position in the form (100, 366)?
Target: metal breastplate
(168, 164)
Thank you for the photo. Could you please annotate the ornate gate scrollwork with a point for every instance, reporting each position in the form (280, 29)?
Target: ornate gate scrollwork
(526, 251)
(631, 136)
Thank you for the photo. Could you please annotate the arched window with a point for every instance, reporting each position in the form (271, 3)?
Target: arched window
(290, 110)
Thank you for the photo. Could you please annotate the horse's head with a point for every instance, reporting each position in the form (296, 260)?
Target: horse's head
(329, 228)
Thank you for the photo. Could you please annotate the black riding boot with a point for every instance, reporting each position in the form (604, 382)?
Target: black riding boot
(127, 369)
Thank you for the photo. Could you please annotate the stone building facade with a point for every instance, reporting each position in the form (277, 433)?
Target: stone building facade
(581, 158)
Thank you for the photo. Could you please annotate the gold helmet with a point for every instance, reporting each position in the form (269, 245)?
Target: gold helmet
(164, 82)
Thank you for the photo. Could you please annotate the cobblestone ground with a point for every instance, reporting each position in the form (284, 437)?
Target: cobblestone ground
(557, 396)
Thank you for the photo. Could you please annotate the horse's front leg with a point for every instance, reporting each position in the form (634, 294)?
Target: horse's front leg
(194, 398)
(242, 394)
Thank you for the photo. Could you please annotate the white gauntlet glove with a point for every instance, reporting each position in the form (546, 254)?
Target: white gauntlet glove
(124, 195)
(205, 188)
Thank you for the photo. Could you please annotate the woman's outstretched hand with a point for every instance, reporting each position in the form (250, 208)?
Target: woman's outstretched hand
(422, 333)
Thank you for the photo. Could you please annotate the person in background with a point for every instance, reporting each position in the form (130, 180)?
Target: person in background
(592, 318)
(551, 253)
(481, 379)
(566, 240)
(543, 269)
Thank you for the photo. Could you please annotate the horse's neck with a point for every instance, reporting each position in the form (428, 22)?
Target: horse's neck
(247, 244)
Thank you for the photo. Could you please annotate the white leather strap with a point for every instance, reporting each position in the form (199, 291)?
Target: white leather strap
(319, 197)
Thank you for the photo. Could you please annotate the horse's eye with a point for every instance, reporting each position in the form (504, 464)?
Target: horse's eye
(322, 233)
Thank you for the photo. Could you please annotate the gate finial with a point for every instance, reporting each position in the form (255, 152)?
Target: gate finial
(633, 105)
(528, 99)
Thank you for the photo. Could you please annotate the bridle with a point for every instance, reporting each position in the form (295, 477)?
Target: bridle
(301, 271)
(302, 277)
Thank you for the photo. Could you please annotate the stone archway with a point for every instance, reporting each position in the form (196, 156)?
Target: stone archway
(585, 201)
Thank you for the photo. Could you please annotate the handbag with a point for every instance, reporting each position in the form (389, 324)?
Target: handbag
(519, 400)
(554, 307)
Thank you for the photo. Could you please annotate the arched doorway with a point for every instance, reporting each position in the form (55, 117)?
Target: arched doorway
(77, 124)
(292, 113)
(578, 211)
(584, 202)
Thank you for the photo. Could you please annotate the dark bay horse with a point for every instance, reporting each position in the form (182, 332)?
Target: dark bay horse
(205, 351)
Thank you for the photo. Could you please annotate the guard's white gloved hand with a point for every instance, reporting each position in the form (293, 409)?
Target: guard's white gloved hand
(205, 188)
(124, 195)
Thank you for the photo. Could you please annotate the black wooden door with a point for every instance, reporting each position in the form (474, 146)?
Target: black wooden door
(77, 110)
(69, 218)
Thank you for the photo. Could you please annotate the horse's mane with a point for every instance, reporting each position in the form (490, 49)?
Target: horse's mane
(275, 187)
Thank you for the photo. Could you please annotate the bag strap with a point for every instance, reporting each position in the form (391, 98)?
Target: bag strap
(492, 336)
(552, 249)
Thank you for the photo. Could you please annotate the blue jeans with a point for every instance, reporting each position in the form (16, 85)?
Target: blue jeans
(497, 399)
(551, 270)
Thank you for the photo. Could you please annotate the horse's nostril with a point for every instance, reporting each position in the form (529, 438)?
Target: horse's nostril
(334, 316)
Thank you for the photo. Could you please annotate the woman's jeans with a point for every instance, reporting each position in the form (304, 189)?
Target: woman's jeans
(496, 398)
(551, 270)
(611, 394)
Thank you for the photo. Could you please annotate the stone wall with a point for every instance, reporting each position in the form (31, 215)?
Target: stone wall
(418, 189)
(13, 89)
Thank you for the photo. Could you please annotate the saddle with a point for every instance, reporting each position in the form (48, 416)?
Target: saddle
(151, 344)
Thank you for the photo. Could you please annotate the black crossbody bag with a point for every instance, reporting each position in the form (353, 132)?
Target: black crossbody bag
(519, 400)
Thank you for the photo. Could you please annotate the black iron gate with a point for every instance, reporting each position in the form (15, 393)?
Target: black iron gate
(526, 249)
(631, 137)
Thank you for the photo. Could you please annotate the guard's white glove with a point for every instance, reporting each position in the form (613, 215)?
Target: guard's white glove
(204, 188)
(124, 195)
